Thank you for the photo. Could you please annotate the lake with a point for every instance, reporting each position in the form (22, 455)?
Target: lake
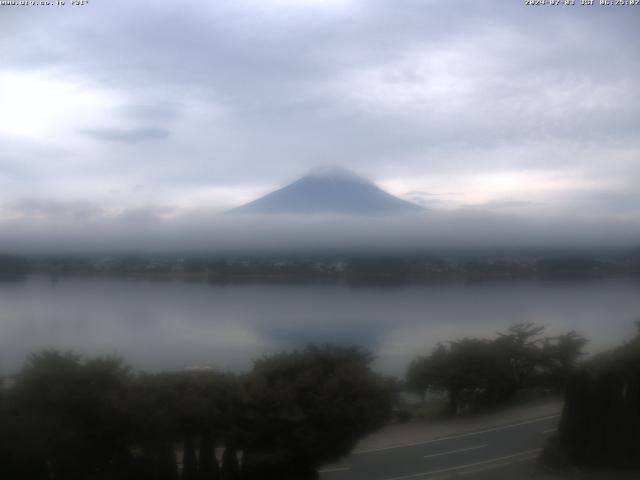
(173, 324)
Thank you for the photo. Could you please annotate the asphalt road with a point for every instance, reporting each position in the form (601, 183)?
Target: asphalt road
(500, 452)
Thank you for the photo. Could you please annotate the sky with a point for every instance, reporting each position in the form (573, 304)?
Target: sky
(119, 116)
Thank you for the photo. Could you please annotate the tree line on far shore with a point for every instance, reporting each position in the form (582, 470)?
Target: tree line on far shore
(376, 269)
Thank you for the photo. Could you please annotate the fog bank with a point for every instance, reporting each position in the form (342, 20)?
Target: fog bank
(201, 231)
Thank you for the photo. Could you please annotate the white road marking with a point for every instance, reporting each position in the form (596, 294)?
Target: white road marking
(450, 452)
(486, 468)
(336, 469)
(497, 465)
(551, 430)
(468, 465)
(453, 437)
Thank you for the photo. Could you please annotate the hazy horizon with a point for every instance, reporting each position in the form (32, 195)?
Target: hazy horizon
(205, 232)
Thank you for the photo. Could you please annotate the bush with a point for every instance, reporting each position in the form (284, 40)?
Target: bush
(600, 424)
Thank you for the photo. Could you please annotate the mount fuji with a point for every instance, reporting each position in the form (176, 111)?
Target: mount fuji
(329, 190)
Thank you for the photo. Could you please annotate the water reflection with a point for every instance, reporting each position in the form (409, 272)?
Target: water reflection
(172, 324)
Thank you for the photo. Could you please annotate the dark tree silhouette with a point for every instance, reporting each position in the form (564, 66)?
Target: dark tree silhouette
(209, 469)
(74, 415)
(189, 461)
(65, 418)
(13, 267)
(600, 423)
(230, 466)
(484, 372)
(309, 407)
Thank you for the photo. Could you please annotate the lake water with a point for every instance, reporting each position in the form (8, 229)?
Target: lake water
(173, 324)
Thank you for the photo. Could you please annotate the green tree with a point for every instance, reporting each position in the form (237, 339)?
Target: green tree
(521, 346)
(74, 416)
(559, 358)
(600, 423)
(429, 372)
(471, 371)
(178, 408)
(476, 372)
(309, 407)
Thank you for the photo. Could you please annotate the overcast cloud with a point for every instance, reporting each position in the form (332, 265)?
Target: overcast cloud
(122, 111)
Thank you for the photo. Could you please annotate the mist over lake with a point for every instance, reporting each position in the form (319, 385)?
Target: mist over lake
(171, 324)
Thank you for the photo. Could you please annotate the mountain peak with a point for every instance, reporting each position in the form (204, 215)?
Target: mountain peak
(330, 190)
(336, 173)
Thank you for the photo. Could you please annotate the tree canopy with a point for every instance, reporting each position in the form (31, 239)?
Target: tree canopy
(64, 417)
(600, 423)
(311, 406)
(474, 372)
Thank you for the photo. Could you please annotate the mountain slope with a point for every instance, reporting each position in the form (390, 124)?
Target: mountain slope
(330, 190)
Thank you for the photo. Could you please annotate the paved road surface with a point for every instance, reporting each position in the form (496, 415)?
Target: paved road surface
(500, 452)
